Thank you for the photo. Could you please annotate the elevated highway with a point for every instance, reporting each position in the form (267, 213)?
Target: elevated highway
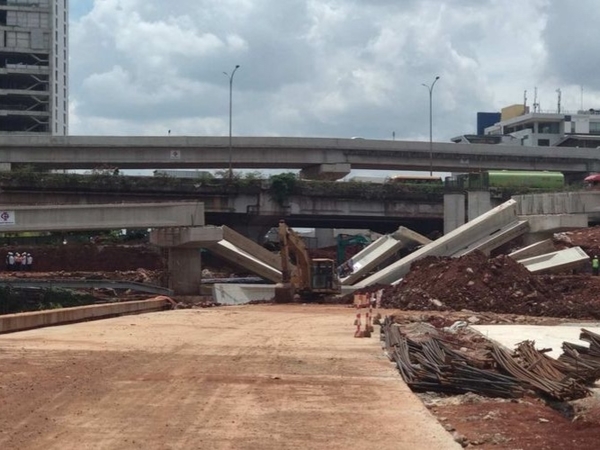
(316, 157)
(247, 206)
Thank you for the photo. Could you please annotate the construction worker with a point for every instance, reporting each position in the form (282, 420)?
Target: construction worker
(595, 266)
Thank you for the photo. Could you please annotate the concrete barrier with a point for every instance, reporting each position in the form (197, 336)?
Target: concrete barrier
(26, 321)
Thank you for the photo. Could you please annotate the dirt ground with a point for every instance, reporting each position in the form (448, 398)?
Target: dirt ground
(59, 385)
(250, 377)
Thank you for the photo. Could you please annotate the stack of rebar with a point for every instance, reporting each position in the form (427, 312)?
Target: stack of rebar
(537, 371)
(430, 362)
(432, 365)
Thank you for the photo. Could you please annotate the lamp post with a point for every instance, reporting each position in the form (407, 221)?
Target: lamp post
(230, 114)
(430, 89)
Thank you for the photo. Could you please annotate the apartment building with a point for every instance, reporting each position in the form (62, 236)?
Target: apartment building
(34, 67)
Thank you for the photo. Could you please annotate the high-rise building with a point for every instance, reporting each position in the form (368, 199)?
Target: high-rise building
(34, 67)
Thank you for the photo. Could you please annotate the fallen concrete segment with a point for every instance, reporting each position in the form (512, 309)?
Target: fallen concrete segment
(37, 319)
(559, 261)
(230, 252)
(539, 248)
(380, 250)
(101, 216)
(226, 243)
(504, 235)
(455, 241)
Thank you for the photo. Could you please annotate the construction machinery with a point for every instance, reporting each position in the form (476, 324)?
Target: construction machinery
(343, 240)
(306, 277)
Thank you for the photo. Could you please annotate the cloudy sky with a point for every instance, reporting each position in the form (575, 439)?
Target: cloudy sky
(324, 68)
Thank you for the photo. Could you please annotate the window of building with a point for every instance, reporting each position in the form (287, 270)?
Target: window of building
(594, 127)
(549, 127)
(544, 142)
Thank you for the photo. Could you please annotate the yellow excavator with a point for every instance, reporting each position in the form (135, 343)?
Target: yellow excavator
(308, 278)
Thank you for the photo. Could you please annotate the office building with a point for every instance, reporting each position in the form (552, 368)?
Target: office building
(34, 67)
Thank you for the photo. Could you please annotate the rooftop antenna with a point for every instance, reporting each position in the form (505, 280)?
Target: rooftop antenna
(525, 100)
(536, 105)
(581, 106)
(558, 92)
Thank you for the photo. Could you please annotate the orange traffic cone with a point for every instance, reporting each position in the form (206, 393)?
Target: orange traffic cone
(358, 333)
(369, 326)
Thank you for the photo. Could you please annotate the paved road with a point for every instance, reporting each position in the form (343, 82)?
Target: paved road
(249, 377)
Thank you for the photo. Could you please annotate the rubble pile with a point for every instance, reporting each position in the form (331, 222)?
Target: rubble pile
(586, 238)
(478, 283)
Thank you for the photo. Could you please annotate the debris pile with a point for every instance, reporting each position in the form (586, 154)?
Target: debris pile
(499, 285)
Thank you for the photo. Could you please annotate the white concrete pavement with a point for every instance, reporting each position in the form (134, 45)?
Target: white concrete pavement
(545, 336)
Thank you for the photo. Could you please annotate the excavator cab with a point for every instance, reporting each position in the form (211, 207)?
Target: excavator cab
(324, 277)
(309, 278)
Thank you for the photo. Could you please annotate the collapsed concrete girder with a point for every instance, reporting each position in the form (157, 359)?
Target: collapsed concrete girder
(224, 242)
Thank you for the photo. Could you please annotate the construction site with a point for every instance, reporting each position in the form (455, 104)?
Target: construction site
(487, 337)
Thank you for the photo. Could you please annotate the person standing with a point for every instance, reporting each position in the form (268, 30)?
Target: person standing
(11, 261)
(595, 266)
(29, 262)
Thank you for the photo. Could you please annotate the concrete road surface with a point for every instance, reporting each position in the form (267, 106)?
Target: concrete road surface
(248, 377)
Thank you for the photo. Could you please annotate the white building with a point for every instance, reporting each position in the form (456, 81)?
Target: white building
(34, 66)
(548, 129)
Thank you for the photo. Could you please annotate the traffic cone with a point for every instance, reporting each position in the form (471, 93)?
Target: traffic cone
(369, 326)
(358, 333)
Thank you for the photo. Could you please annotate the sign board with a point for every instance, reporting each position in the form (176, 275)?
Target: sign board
(175, 154)
(7, 218)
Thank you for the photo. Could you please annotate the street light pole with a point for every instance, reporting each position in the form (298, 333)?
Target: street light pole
(230, 115)
(430, 89)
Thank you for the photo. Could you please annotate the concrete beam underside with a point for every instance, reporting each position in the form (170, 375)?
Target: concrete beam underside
(101, 217)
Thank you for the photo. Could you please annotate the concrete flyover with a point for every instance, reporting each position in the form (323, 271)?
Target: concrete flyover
(16, 218)
(317, 157)
(184, 264)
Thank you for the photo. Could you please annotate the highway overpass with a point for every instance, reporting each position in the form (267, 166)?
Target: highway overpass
(247, 207)
(316, 157)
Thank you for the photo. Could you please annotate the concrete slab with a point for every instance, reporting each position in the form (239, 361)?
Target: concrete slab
(504, 235)
(239, 294)
(544, 336)
(570, 258)
(538, 248)
(379, 251)
(227, 250)
(555, 222)
(369, 257)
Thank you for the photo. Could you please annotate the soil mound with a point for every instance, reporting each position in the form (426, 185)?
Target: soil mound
(478, 283)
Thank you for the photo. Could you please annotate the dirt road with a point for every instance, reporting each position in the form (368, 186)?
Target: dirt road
(250, 377)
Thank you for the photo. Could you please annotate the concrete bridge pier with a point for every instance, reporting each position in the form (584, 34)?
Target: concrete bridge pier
(454, 211)
(185, 270)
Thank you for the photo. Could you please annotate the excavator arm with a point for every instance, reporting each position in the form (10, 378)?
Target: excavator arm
(309, 278)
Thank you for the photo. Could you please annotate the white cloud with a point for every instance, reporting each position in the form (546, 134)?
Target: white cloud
(323, 67)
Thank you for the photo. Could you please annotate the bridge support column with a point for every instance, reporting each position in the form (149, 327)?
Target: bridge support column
(454, 211)
(185, 270)
(478, 203)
